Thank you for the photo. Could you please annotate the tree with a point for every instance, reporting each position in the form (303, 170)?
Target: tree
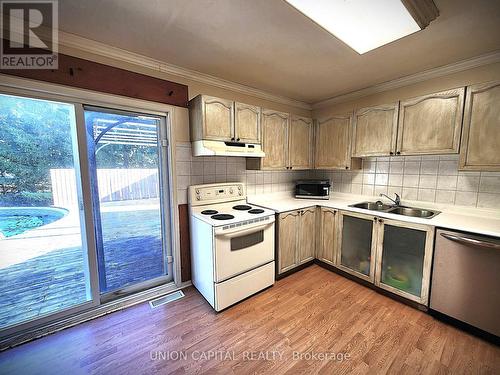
(35, 136)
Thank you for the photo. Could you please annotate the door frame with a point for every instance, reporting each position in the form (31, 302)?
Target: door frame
(23, 87)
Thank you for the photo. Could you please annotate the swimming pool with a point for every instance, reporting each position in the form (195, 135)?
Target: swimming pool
(16, 220)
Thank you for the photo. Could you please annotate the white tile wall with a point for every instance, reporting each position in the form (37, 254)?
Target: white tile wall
(429, 178)
(209, 169)
(426, 178)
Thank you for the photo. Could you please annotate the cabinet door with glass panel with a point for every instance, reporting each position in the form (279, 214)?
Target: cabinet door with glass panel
(404, 256)
(356, 238)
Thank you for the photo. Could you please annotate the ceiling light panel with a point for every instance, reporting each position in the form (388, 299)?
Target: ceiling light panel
(362, 24)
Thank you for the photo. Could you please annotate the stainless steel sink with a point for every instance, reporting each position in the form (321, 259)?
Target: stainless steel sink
(398, 210)
(374, 206)
(414, 212)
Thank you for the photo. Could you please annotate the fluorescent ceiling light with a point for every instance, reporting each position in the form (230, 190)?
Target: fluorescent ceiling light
(362, 24)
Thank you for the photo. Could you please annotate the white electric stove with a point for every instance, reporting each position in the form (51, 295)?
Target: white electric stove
(232, 244)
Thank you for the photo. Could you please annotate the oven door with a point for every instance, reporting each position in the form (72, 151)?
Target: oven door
(241, 249)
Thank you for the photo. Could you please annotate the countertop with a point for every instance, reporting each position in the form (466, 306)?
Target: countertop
(474, 220)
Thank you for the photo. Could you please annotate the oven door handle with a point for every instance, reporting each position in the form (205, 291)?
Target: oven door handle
(238, 232)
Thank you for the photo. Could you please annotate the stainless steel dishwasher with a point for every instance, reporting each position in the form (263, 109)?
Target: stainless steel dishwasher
(466, 279)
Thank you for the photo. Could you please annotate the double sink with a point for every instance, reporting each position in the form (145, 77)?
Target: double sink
(398, 210)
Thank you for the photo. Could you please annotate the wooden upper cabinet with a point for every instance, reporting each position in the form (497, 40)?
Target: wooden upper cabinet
(301, 143)
(480, 149)
(333, 143)
(247, 123)
(374, 131)
(211, 118)
(431, 124)
(275, 139)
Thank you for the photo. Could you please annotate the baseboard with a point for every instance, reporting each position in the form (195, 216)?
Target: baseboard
(292, 271)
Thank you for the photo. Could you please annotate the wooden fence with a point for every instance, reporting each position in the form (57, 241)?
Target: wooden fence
(113, 185)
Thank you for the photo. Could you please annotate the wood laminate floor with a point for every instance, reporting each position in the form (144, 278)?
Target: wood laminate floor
(319, 314)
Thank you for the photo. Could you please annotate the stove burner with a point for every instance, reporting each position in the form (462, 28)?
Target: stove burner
(209, 212)
(222, 217)
(256, 211)
(242, 207)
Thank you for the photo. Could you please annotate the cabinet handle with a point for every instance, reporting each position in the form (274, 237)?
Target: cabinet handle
(346, 167)
(398, 153)
(380, 220)
(232, 139)
(391, 153)
(375, 218)
(238, 139)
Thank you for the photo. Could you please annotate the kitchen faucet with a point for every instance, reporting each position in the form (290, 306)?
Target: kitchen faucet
(396, 201)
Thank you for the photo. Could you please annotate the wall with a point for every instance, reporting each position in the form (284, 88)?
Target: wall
(422, 178)
(209, 169)
(472, 76)
(428, 178)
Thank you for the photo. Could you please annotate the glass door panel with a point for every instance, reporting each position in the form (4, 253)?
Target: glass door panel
(44, 265)
(356, 248)
(403, 252)
(126, 159)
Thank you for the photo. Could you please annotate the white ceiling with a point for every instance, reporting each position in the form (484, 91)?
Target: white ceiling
(268, 45)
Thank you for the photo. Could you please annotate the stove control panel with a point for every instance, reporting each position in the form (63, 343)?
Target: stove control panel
(216, 193)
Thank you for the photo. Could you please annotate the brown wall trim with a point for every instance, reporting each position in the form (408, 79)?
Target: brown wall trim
(185, 247)
(90, 75)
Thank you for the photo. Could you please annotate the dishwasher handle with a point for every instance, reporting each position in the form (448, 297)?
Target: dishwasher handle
(471, 241)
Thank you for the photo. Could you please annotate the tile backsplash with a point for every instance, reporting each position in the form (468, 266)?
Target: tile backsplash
(419, 178)
(209, 169)
(429, 178)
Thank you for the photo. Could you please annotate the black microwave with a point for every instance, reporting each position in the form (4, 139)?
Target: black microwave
(314, 189)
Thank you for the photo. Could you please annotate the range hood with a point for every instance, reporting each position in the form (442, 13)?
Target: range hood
(222, 148)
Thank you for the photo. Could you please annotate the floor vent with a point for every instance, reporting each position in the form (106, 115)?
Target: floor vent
(166, 299)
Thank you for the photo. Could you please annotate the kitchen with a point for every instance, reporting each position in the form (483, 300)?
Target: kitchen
(354, 227)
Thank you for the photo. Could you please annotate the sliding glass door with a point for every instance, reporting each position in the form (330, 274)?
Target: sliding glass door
(84, 208)
(126, 158)
(44, 262)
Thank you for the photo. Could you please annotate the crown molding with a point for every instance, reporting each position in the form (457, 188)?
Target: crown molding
(78, 43)
(474, 62)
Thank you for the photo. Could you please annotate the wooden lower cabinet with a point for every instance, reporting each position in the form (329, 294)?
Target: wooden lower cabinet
(394, 255)
(306, 235)
(326, 249)
(287, 240)
(296, 238)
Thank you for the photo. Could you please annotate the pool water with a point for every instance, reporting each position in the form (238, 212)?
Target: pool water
(17, 220)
